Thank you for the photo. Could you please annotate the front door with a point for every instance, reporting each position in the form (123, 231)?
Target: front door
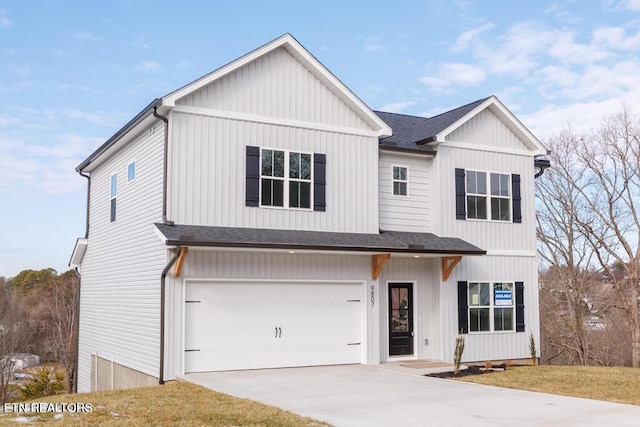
(400, 319)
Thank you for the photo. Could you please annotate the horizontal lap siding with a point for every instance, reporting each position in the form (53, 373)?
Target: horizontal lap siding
(400, 213)
(119, 314)
(207, 170)
(276, 85)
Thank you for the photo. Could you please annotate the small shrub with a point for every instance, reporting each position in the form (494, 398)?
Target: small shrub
(457, 355)
(488, 365)
(532, 349)
(44, 382)
(507, 364)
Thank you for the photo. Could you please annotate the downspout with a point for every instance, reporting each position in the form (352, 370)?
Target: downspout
(162, 308)
(76, 331)
(86, 230)
(165, 220)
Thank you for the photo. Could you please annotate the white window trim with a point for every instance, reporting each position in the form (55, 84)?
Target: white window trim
(135, 171)
(489, 196)
(286, 179)
(393, 181)
(492, 306)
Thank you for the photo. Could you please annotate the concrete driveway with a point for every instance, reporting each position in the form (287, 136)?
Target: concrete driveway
(388, 395)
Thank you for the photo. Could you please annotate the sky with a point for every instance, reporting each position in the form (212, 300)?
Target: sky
(72, 73)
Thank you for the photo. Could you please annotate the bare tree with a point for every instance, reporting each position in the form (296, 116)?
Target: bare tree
(589, 218)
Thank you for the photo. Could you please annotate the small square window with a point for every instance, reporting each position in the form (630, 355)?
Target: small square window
(131, 171)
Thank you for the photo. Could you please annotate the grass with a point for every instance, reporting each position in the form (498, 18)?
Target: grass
(175, 403)
(621, 385)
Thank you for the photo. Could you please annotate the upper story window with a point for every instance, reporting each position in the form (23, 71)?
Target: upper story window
(114, 193)
(400, 180)
(131, 171)
(487, 196)
(285, 179)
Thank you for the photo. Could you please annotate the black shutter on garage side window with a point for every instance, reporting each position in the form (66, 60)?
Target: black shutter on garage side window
(515, 189)
(319, 182)
(463, 308)
(252, 196)
(460, 195)
(519, 306)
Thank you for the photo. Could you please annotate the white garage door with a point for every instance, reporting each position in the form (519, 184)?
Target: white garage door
(249, 325)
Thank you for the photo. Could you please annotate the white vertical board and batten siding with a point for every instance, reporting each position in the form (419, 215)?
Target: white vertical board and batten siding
(405, 213)
(120, 297)
(247, 266)
(276, 85)
(424, 273)
(494, 345)
(207, 175)
(487, 144)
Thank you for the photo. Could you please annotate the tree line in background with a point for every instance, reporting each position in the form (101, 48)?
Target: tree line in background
(588, 229)
(38, 314)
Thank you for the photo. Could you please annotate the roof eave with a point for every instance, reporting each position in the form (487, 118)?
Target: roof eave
(132, 124)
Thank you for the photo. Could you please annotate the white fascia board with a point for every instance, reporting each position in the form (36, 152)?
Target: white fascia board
(309, 61)
(254, 118)
(507, 117)
(161, 236)
(78, 252)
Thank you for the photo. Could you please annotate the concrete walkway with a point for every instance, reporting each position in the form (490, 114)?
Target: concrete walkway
(390, 395)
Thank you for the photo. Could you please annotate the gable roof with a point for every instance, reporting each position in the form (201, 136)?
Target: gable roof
(385, 241)
(413, 132)
(288, 42)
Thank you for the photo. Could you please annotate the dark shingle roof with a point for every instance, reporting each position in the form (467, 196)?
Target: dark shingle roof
(412, 131)
(387, 241)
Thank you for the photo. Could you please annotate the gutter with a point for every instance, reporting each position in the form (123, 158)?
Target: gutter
(163, 278)
(165, 220)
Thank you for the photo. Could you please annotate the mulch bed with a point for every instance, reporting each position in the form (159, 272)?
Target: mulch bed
(471, 370)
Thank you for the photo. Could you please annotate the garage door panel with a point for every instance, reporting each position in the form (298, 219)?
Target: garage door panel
(263, 325)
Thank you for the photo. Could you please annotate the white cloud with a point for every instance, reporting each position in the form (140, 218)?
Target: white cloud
(5, 22)
(465, 39)
(454, 74)
(633, 5)
(372, 44)
(150, 66)
(397, 107)
(30, 170)
(87, 36)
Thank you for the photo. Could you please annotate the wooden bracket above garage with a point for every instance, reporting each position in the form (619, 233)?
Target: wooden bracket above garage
(177, 267)
(448, 264)
(377, 262)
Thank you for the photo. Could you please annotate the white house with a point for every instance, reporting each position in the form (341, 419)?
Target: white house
(263, 216)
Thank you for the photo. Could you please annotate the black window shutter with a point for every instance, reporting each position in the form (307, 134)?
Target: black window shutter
(463, 308)
(252, 196)
(461, 195)
(319, 182)
(515, 188)
(519, 306)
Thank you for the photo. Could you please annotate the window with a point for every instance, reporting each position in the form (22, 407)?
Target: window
(114, 190)
(131, 171)
(488, 196)
(491, 307)
(285, 179)
(400, 181)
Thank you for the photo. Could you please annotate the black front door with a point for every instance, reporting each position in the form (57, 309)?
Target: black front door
(400, 319)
